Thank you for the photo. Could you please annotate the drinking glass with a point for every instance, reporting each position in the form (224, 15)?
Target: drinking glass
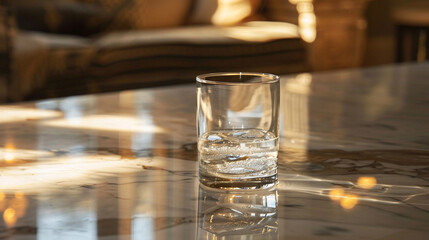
(237, 127)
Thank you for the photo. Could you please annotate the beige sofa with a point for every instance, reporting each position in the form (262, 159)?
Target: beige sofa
(139, 48)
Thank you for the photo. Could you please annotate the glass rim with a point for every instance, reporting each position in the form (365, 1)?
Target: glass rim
(266, 78)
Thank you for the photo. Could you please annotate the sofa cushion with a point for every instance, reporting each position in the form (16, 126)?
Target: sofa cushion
(249, 32)
(223, 12)
(140, 14)
(64, 17)
(88, 17)
(60, 65)
(153, 57)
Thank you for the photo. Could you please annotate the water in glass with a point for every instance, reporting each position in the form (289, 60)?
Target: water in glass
(248, 155)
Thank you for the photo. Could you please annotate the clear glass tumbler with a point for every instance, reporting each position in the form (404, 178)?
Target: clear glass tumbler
(237, 124)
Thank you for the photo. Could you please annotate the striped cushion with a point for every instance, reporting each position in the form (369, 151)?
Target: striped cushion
(180, 54)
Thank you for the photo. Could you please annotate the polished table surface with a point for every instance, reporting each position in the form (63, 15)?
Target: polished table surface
(353, 164)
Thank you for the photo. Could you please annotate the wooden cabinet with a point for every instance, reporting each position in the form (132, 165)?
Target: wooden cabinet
(335, 31)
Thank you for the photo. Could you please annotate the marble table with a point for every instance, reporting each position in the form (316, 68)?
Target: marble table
(354, 164)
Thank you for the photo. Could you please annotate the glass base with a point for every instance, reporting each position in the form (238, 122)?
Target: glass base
(249, 183)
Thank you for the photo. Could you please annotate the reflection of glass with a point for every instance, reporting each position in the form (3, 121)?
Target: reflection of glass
(294, 125)
(237, 214)
(294, 100)
(238, 129)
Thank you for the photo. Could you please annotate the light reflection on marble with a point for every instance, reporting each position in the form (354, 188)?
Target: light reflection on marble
(354, 164)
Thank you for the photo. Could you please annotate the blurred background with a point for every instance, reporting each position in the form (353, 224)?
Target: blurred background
(56, 48)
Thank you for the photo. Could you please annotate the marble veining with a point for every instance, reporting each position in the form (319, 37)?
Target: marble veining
(353, 164)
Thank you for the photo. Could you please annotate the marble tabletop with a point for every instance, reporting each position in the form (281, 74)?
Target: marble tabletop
(353, 164)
